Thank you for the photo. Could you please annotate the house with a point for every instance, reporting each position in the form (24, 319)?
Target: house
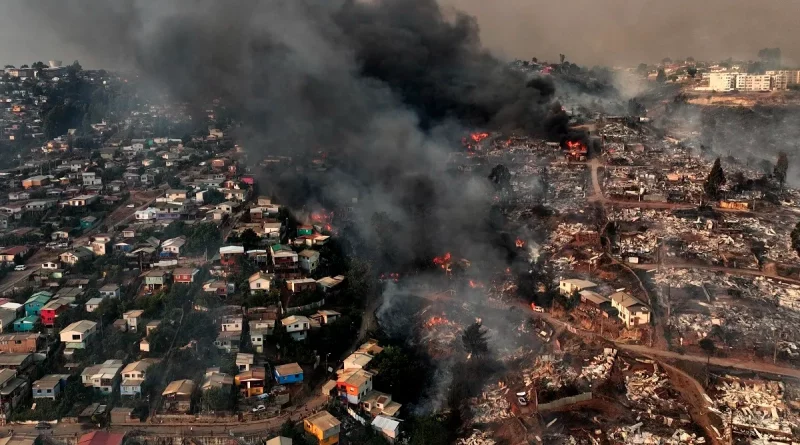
(34, 304)
(328, 284)
(35, 181)
(110, 291)
(52, 310)
(228, 341)
(297, 326)
(174, 194)
(259, 329)
(101, 438)
(632, 312)
(156, 279)
(133, 318)
(147, 214)
(16, 362)
(325, 316)
(144, 345)
(377, 403)
(284, 259)
(592, 298)
(91, 178)
(357, 360)
(103, 377)
(184, 275)
(20, 343)
(260, 282)
(49, 386)
(214, 379)
(231, 324)
(87, 222)
(309, 260)
(133, 376)
(72, 258)
(229, 255)
(178, 396)
(82, 200)
(77, 334)
(280, 440)
(251, 383)
(173, 246)
(93, 303)
(301, 284)
(49, 265)
(26, 324)
(7, 317)
(324, 427)
(151, 326)
(244, 361)
(13, 389)
(226, 207)
(129, 233)
(288, 374)
(10, 254)
(388, 426)
(220, 288)
(570, 286)
(354, 384)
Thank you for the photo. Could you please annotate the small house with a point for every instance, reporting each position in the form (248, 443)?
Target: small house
(288, 374)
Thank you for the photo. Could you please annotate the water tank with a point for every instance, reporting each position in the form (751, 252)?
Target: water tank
(54, 63)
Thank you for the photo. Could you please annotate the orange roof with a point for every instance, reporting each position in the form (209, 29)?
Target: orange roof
(101, 438)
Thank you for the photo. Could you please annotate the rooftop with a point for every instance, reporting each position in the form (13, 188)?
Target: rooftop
(288, 369)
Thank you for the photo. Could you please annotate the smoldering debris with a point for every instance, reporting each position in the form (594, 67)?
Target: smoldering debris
(476, 438)
(491, 406)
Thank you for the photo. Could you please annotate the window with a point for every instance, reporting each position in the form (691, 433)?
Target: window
(49, 391)
(76, 336)
(17, 342)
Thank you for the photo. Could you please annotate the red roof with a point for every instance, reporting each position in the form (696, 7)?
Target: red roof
(101, 438)
(16, 250)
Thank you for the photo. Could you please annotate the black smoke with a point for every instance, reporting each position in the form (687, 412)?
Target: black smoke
(383, 86)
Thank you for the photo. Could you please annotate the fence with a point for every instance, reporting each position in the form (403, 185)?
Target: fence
(566, 401)
(295, 309)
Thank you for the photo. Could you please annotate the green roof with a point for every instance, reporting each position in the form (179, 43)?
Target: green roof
(29, 319)
(41, 299)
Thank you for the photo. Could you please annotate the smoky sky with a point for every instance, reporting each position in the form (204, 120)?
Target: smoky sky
(588, 31)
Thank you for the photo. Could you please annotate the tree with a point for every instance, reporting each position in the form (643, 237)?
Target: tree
(216, 399)
(474, 339)
(715, 180)
(661, 77)
(250, 239)
(691, 71)
(428, 430)
(174, 182)
(708, 346)
(781, 168)
(400, 373)
(562, 58)
(213, 196)
(795, 237)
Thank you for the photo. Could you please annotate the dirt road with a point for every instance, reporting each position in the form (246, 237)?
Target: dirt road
(727, 270)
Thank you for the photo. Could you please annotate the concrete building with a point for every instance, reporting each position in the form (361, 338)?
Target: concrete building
(722, 81)
(632, 312)
(753, 82)
(324, 427)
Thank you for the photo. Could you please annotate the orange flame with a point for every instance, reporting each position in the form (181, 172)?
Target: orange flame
(437, 321)
(478, 137)
(475, 284)
(520, 243)
(576, 146)
(443, 260)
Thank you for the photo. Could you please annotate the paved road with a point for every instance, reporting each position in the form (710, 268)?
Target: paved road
(727, 270)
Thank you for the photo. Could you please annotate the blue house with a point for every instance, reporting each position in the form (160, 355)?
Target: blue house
(26, 324)
(87, 222)
(288, 373)
(36, 301)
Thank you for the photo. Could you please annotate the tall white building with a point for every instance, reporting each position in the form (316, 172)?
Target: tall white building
(792, 76)
(722, 81)
(753, 82)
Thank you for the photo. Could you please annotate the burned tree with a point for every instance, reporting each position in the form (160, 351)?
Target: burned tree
(715, 180)
(474, 339)
(781, 168)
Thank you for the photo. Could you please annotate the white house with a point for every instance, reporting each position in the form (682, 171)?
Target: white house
(75, 336)
(297, 326)
(49, 265)
(568, 287)
(133, 319)
(103, 377)
(231, 324)
(309, 260)
(260, 282)
(93, 303)
(632, 312)
(133, 376)
(110, 291)
(173, 246)
(146, 214)
(91, 178)
(7, 317)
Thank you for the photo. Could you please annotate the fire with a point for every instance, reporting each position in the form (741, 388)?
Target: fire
(478, 137)
(576, 146)
(443, 260)
(392, 276)
(475, 284)
(437, 321)
(520, 243)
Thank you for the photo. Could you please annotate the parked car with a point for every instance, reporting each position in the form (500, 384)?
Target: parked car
(20, 267)
(131, 205)
(43, 426)
(537, 308)
(522, 398)
(259, 408)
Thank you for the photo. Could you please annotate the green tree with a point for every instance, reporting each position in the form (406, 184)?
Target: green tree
(217, 399)
(781, 168)
(691, 71)
(708, 346)
(400, 373)
(250, 239)
(428, 430)
(174, 182)
(474, 339)
(715, 180)
(213, 197)
(661, 77)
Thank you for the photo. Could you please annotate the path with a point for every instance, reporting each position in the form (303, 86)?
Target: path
(727, 270)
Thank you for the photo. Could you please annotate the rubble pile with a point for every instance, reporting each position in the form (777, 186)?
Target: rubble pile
(492, 405)
(548, 373)
(634, 435)
(564, 234)
(652, 391)
(754, 405)
(600, 366)
(476, 438)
